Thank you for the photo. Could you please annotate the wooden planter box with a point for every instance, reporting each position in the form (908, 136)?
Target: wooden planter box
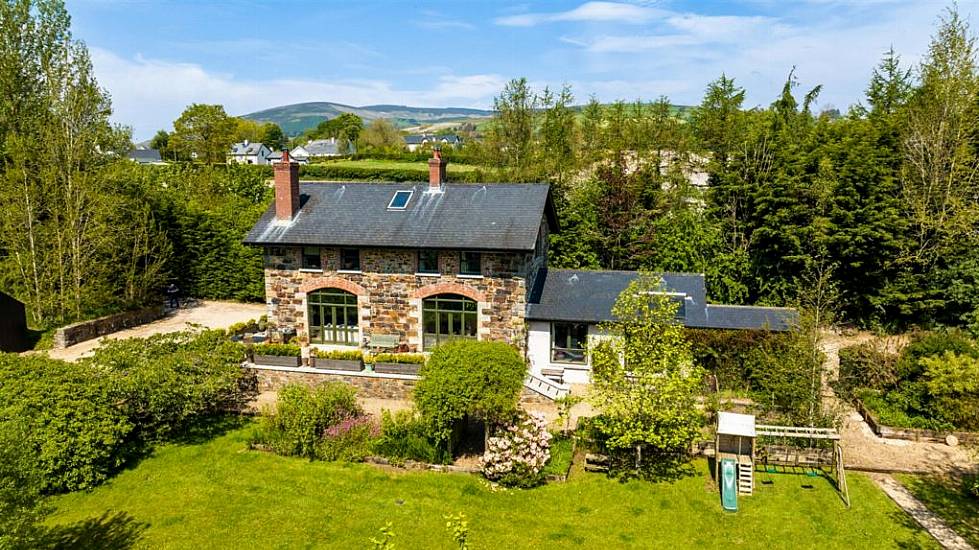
(276, 360)
(353, 365)
(397, 368)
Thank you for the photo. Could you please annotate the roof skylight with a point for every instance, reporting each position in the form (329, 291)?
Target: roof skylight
(400, 200)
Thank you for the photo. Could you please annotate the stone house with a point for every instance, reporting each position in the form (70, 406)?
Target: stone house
(351, 264)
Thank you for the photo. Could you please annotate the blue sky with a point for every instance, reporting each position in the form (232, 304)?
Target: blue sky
(155, 57)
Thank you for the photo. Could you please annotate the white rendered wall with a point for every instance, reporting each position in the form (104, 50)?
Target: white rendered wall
(539, 353)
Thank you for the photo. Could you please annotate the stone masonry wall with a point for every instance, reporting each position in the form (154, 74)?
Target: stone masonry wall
(367, 386)
(390, 293)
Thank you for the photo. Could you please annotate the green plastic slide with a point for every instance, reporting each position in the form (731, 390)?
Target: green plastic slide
(729, 485)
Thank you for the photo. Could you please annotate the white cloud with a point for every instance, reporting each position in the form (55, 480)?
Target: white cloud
(149, 94)
(589, 11)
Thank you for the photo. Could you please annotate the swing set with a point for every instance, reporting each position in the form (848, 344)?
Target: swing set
(813, 451)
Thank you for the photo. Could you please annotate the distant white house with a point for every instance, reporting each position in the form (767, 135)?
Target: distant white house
(248, 152)
(414, 141)
(327, 148)
(299, 155)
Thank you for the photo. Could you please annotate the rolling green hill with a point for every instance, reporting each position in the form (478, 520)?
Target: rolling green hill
(294, 119)
(297, 118)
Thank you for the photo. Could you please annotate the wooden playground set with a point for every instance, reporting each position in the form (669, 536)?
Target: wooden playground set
(737, 455)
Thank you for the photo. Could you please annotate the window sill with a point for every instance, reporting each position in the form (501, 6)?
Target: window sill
(467, 276)
(428, 274)
(350, 271)
(310, 270)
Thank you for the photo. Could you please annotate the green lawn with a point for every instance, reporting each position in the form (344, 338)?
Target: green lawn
(947, 498)
(395, 165)
(216, 493)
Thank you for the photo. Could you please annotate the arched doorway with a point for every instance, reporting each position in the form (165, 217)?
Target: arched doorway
(446, 317)
(333, 317)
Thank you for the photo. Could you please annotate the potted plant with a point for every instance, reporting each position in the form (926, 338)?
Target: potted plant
(276, 355)
(398, 363)
(351, 360)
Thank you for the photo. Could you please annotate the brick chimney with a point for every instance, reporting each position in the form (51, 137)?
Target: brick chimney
(286, 188)
(436, 170)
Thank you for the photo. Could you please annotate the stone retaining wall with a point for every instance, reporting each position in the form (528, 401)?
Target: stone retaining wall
(96, 328)
(370, 385)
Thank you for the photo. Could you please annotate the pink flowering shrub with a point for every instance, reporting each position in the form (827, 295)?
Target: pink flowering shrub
(516, 454)
(348, 440)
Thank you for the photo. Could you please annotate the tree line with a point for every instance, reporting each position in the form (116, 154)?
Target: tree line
(874, 213)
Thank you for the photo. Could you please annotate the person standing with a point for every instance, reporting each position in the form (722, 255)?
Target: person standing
(173, 295)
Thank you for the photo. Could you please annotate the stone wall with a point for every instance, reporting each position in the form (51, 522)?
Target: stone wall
(368, 385)
(390, 293)
(96, 328)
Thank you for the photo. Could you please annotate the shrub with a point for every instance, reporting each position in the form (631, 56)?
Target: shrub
(867, 365)
(400, 358)
(516, 454)
(340, 355)
(404, 436)
(468, 378)
(972, 486)
(252, 326)
(165, 382)
(927, 344)
(350, 440)
(73, 431)
(278, 350)
(21, 504)
(302, 414)
(952, 381)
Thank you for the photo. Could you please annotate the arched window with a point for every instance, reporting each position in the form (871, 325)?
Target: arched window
(332, 317)
(447, 316)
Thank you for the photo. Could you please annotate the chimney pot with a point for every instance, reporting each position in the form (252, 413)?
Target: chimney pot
(286, 188)
(436, 170)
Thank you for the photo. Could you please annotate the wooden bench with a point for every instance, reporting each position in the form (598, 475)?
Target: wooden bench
(383, 341)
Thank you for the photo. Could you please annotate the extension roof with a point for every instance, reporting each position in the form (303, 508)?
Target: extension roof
(492, 216)
(588, 296)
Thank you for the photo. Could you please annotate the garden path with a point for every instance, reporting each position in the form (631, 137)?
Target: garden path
(862, 449)
(205, 313)
(932, 523)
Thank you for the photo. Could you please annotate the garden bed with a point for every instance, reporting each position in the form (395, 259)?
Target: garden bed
(911, 434)
(352, 365)
(397, 368)
(276, 360)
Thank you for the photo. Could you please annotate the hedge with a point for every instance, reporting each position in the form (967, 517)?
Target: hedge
(82, 421)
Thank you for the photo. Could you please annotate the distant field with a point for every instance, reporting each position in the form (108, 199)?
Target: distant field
(394, 165)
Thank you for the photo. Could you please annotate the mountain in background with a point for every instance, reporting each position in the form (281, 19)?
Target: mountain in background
(297, 118)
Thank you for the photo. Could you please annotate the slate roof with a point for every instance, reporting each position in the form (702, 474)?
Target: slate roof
(243, 148)
(492, 216)
(145, 156)
(325, 147)
(275, 157)
(588, 296)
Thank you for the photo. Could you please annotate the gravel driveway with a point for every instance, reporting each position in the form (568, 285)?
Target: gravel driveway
(206, 314)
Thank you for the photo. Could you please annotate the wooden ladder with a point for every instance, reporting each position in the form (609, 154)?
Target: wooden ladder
(746, 482)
